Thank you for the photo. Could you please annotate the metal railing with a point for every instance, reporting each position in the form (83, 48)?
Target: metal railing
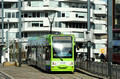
(99, 68)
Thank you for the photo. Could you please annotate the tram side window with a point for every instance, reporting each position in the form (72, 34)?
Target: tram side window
(48, 53)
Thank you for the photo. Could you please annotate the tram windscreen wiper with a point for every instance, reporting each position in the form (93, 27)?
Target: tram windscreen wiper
(59, 57)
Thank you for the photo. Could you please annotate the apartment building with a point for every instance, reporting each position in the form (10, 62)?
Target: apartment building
(70, 17)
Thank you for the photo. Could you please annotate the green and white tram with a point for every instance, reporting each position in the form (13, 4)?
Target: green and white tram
(52, 52)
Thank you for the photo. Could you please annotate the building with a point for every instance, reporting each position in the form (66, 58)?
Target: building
(70, 17)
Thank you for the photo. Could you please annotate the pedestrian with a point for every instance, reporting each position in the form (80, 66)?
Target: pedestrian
(102, 57)
(93, 59)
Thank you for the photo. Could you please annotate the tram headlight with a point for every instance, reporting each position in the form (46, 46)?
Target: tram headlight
(54, 63)
(71, 63)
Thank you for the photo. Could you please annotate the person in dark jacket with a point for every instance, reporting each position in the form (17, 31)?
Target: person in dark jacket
(102, 57)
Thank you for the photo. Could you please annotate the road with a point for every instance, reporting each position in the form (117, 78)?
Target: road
(29, 72)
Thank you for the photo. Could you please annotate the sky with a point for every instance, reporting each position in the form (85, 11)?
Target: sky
(105, 0)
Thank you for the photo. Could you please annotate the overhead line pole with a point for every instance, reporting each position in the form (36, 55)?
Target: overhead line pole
(110, 36)
(51, 22)
(2, 29)
(88, 30)
(19, 6)
(2, 22)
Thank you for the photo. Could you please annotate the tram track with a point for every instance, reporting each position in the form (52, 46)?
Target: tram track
(68, 76)
(3, 76)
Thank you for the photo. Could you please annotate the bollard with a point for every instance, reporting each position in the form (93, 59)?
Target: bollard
(97, 68)
(94, 67)
(111, 70)
(116, 72)
(102, 68)
(106, 69)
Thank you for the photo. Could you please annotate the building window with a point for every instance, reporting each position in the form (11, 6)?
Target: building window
(35, 3)
(25, 15)
(59, 24)
(17, 14)
(38, 14)
(13, 15)
(9, 15)
(98, 45)
(81, 35)
(59, 4)
(98, 26)
(41, 24)
(29, 15)
(6, 14)
(46, 14)
(75, 25)
(63, 14)
(35, 24)
(81, 16)
(34, 14)
(76, 15)
(42, 14)
(59, 14)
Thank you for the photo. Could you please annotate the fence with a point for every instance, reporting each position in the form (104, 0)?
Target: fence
(99, 68)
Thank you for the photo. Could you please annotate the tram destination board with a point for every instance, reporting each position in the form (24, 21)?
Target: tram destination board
(62, 38)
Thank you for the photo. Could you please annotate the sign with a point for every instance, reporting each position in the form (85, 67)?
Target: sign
(60, 38)
(88, 35)
(102, 50)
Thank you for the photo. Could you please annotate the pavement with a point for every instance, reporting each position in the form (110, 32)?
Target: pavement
(29, 72)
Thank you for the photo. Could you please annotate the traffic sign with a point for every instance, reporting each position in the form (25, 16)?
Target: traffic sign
(102, 50)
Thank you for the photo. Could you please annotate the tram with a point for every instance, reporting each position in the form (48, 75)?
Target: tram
(52, 52)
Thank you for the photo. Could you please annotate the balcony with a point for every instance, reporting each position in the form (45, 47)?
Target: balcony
(35, 29)
(34, 19)
(38, 9)
(39, 6)
(104, 41)
(84, 1)
(10, 0)
(100, 12)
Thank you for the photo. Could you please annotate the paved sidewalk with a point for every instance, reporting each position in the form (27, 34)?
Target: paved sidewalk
(91, 74)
